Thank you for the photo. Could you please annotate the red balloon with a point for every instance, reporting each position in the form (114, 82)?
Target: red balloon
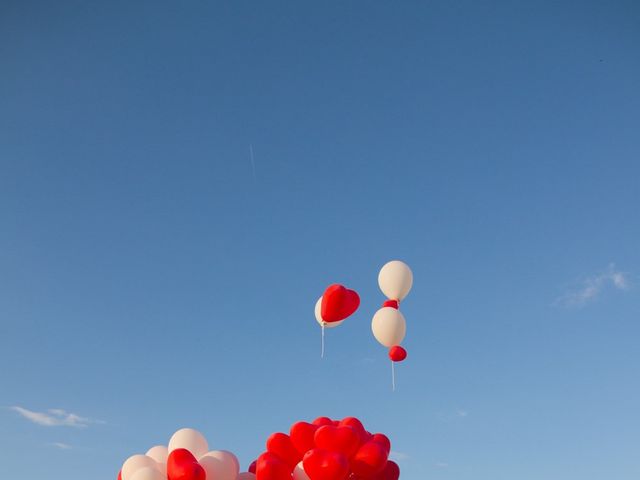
(321, 464)
(120, 475)
(301, 434)
(343, 439)
(182, 465)
(252, 467)
(320, 421)
(281, 446)
(270, 467)
(391, 471)
(369, 460)
(397, 353)
(356, 424)
(382, 440)
(391, 303)
(338, 303)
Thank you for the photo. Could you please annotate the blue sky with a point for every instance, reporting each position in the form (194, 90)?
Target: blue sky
(152, 278)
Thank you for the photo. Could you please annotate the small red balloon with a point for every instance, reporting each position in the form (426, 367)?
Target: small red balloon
(270, 467)
(320, 421)
(321, 464)
(281, 446)
(369, 460)
(301, 434)
(182, 465)
(397, 353)
(338, 303)
(382, 440)
(252, 467)
(391, 303)
(356, 424)
(391, 471)
(344, 440)
(120, 475)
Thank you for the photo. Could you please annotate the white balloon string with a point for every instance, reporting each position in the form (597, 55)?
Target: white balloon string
(322, 350)
(393, 377)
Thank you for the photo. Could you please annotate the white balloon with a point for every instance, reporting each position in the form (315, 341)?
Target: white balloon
(389, 326)
(395, 280)
(135, 463)
(148, 473)
(190, 439)
(220, 465)
(299, 473)
(159, 453)
(246, 476)
(318, 312)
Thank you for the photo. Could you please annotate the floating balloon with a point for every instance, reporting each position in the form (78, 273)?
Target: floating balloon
(322, 464)
(397, 353)
(370, 459)
(159, 453)
(344, 440)
(299, 473)
(389, 326)
(281, 446)
(148, 473)
(189, 439)
(302, 436)
(182, 465)
(220, 465)
(338, 303)
(246, 476)
(319, 319)
(135, 463)
(270, 467)
(395, 280)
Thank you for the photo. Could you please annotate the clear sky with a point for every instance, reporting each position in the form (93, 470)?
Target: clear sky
(153, 277)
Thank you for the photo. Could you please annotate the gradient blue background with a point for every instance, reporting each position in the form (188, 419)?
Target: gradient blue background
(151, 279)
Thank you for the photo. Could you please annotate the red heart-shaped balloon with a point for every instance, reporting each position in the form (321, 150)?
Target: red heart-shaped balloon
(391, 471)
(301, 434)
(321, 464)
(320, 421)
(252, 467)
(338, 303)
(382, 440)
(182, 465)
(357, 425)
(281, 446)
(343, 439)
(270, 467)
(369, 460)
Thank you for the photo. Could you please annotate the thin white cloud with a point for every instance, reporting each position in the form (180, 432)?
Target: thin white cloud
(590, 288)
(441, 465)
(54, 417)
(61, 446)
(450, 416)
(399, 456)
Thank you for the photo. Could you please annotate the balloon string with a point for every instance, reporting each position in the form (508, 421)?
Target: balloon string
(322, 350)
(393, 377)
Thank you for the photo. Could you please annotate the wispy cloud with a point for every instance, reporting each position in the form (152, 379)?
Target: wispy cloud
(54, 417)
(591, 287)
(61, 446)
(399, 456)
(449, 416)
(441, 465)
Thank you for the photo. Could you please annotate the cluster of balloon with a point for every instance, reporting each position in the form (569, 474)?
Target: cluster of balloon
(326, 449)
(389, 326)
(187, 457)
(334, 306)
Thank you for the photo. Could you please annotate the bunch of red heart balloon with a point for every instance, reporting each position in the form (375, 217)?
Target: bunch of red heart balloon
(326, 449)
(186, 457)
